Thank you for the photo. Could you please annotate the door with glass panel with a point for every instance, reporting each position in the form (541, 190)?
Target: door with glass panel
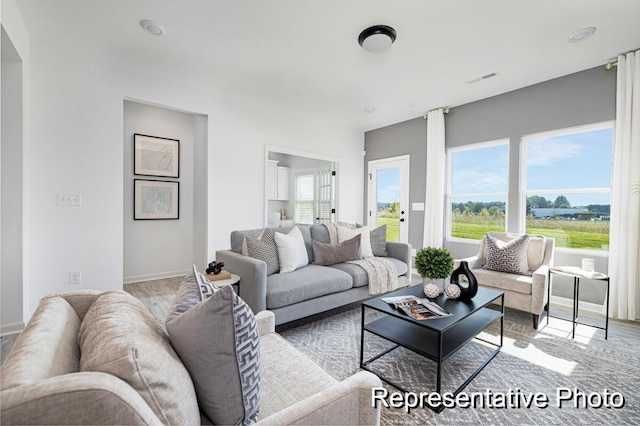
(389, 196)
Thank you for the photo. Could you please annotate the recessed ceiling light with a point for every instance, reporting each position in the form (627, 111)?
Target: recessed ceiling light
(369, 110)
(581, 35)
(152, 27)
(377, 38)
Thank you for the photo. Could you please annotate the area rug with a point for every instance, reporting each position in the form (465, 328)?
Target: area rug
(578, 377)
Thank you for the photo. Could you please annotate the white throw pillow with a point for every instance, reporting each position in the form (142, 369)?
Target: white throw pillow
(292, 253)
(345, 234)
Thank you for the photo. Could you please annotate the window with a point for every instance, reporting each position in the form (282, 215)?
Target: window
(477, 189)
(304, 208)
(567, 176)
(313, 197)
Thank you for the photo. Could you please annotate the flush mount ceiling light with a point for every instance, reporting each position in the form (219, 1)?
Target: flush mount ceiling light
(581, 35)
(152, 27)
(377, 38)
(369, 109)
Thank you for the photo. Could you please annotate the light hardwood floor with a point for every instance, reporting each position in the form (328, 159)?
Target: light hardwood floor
(158, 295)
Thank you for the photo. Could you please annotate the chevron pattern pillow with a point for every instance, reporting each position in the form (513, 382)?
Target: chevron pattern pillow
(217, 340)
(510, 257)
(265, 251)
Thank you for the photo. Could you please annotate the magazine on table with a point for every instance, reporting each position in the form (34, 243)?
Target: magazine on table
(417, 308)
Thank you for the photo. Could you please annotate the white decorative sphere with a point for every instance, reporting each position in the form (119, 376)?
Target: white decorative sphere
(431, 290)
(453, 291)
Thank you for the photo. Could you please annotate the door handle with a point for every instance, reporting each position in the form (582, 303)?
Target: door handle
(402, 220)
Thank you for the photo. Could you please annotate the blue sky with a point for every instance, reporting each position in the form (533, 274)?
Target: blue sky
(388, 181)
(562, 163)
(558, 163)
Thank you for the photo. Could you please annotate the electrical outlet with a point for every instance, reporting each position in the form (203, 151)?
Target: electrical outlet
(75, 277)
(70, 200)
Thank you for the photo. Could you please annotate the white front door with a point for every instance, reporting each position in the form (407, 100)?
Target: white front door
(389, 197)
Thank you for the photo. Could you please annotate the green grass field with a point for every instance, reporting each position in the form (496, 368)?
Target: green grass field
(570, 234)
(393, 227)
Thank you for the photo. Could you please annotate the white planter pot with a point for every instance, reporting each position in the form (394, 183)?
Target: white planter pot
(440, 282)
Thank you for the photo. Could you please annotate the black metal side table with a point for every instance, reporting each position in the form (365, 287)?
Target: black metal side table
(577, 273)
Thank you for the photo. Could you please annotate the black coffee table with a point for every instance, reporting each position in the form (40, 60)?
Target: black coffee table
(435, 339)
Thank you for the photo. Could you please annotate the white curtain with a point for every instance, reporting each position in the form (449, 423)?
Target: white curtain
(434, 197)
(624, 247)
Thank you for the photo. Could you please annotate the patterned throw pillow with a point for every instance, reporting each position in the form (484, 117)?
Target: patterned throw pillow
(379, 241)
(329, 254)
(265, 251)
(263, 248)
(217, 340)
(509, 256)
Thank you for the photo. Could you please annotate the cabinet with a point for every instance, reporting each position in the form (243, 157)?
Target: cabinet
(277, 181)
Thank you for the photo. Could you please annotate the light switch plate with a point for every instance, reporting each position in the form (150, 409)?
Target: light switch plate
(416, 207)
(70, 200)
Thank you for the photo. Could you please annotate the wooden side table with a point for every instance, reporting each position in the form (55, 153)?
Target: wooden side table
(577, 273)
(233, 281)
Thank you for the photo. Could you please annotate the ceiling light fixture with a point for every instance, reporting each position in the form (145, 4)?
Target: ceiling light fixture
(369, 110)
(581, 35)
(377, 39)
(152, 27)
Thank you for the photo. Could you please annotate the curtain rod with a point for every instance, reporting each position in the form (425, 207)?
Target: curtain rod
(610, 65)
(444, 111)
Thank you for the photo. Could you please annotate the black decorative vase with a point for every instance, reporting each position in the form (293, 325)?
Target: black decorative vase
(468, 291)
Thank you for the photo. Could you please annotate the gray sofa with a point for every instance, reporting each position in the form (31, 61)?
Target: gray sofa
(46, 379)
(308, 290)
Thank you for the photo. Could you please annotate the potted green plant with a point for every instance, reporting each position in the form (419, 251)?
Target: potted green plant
(434, 264)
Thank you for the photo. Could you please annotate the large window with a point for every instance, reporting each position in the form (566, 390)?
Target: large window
(567, 176)
(477, 189)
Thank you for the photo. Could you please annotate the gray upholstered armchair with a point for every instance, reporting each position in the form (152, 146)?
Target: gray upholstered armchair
(526, 290)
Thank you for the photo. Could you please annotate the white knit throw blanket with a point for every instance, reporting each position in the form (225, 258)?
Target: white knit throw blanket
(383, 275)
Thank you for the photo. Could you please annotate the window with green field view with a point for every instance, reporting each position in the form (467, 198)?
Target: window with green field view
(477, 189)
(567, 176)
(388, 197)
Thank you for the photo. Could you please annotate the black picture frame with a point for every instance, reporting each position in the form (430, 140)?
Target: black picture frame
(156, 199)
(156, 156)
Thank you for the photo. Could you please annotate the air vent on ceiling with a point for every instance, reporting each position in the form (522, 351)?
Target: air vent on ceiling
(484, 77)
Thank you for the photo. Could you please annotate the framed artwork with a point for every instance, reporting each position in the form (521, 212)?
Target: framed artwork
(154, 156)
(156, 199)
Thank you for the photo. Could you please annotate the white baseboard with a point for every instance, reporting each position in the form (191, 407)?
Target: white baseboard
(566, 302)
(151, 277)
(13, 328)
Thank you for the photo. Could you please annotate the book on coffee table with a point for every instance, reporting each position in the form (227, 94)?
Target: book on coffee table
(417, 308)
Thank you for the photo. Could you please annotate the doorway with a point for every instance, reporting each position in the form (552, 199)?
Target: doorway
(389, 196)
(300, 187)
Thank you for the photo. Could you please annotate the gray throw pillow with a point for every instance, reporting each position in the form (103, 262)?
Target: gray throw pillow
(379, 241)
(217, 340)
(509, 256)
(265, 251)
(328, 254)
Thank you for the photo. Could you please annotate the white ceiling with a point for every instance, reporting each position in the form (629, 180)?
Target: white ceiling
(305, 54)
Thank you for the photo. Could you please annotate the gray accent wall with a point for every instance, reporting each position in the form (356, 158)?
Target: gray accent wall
(577, 99)
(408, 137)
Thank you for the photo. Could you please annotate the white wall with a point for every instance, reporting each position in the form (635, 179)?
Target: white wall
(15, 131)
(76, 146)
(160, 248)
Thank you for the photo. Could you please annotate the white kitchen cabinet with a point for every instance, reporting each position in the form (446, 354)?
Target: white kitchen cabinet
(283, 183)
(277, 181)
